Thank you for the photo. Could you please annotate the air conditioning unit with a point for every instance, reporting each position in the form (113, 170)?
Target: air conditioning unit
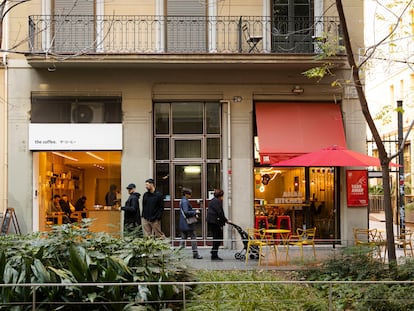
(87, 112)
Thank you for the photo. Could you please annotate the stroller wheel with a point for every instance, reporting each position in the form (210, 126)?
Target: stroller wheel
(242, 257)
(237, 255)
(253, 256)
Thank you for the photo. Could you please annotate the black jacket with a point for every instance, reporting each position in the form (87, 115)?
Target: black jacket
(152, 206)
(131, 209)
(215, 213)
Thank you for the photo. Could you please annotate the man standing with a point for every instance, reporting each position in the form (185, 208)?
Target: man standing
(132, 217)
(153, 207)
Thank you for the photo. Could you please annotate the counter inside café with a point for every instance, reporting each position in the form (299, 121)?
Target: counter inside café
(106, 219)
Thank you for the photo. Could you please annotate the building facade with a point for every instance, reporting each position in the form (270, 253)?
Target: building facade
(202, 94)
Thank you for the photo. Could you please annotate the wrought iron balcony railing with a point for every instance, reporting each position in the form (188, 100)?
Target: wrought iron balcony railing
(93, 34)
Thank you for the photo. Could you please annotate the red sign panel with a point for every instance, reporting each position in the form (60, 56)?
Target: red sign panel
(357, 187)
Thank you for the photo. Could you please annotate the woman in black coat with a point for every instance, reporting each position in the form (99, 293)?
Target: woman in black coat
(216, 220)
(187, 230)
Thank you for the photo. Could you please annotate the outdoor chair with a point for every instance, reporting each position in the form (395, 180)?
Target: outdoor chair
(404, 241)
(252, 41)
(303, 237)
(373, 239)
(257, 241)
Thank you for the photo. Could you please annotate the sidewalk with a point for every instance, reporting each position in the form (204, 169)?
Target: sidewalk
(229, 262)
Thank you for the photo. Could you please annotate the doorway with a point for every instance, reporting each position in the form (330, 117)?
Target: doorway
(75, 174)
(187, 148)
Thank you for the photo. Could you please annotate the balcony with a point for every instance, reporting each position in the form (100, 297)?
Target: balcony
(131, 36)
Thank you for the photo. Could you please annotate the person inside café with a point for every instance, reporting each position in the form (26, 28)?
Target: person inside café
(54, 207)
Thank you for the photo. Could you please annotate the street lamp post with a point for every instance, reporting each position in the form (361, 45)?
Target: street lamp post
(401, 168)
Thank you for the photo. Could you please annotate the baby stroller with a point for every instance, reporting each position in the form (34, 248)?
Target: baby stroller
(241, 255)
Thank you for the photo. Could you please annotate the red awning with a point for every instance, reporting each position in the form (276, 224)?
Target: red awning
(287, 130)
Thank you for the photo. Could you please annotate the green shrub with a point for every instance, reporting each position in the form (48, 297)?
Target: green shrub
(70, 254)
(264, 296)
(356, 264)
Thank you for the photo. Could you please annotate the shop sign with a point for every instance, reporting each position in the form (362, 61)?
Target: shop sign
(75, 136)
(357, 188)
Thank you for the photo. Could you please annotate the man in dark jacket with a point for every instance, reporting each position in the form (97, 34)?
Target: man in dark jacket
(152, 210)
(132, 216)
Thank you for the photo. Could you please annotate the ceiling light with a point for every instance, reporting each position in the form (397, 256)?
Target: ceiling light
(192, 170)
(98, 166)
(95, 156)
(65, 156)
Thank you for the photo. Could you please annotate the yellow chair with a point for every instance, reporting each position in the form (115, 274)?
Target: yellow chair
(256, 242)
(373, 239)
(303, 237)
(364, 237)
(404, 241)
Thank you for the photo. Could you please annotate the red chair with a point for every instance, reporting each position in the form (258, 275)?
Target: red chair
(283, 222)
(261, 222)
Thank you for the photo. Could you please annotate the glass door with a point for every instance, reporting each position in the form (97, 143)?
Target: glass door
(187, 154)
(292, 26)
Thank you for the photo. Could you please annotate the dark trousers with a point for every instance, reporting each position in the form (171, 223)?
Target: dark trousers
(217, 232)
(192, 235)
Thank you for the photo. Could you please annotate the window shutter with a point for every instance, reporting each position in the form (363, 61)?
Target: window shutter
(74, 29)
(186, 26)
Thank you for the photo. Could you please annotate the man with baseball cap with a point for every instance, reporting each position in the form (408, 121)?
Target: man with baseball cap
(132, 216)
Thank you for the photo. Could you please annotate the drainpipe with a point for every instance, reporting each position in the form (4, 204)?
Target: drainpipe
(5, 111)
(229, 172)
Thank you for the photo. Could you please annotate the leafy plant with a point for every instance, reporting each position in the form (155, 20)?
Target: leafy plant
(74, 255)
(355, 264)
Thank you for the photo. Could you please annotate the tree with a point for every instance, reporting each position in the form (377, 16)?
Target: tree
(385, 159)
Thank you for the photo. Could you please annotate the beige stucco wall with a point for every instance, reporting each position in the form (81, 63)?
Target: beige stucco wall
(138, 88)
(140, 85)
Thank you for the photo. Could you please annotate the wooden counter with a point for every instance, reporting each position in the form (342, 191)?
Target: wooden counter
(109, 221)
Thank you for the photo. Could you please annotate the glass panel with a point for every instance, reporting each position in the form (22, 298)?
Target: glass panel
(161, 118)
(213, 118)
(187, 118)
(166, 223)
(213, 177)
(188, 176)
(162, 173)
(187, 149)
(213, 148)
(162, 150)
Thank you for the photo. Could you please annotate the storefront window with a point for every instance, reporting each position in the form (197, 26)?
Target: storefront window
(78, 174)
(306, 195)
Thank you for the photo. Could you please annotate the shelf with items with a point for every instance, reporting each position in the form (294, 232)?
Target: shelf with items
(67, 182)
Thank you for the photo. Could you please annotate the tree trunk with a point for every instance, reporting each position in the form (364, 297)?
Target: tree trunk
(383, 156)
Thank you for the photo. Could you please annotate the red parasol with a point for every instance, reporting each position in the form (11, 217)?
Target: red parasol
(332, 156)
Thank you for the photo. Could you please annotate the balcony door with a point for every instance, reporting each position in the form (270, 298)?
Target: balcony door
(76, 32)
(186, 26)
(292, 26)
